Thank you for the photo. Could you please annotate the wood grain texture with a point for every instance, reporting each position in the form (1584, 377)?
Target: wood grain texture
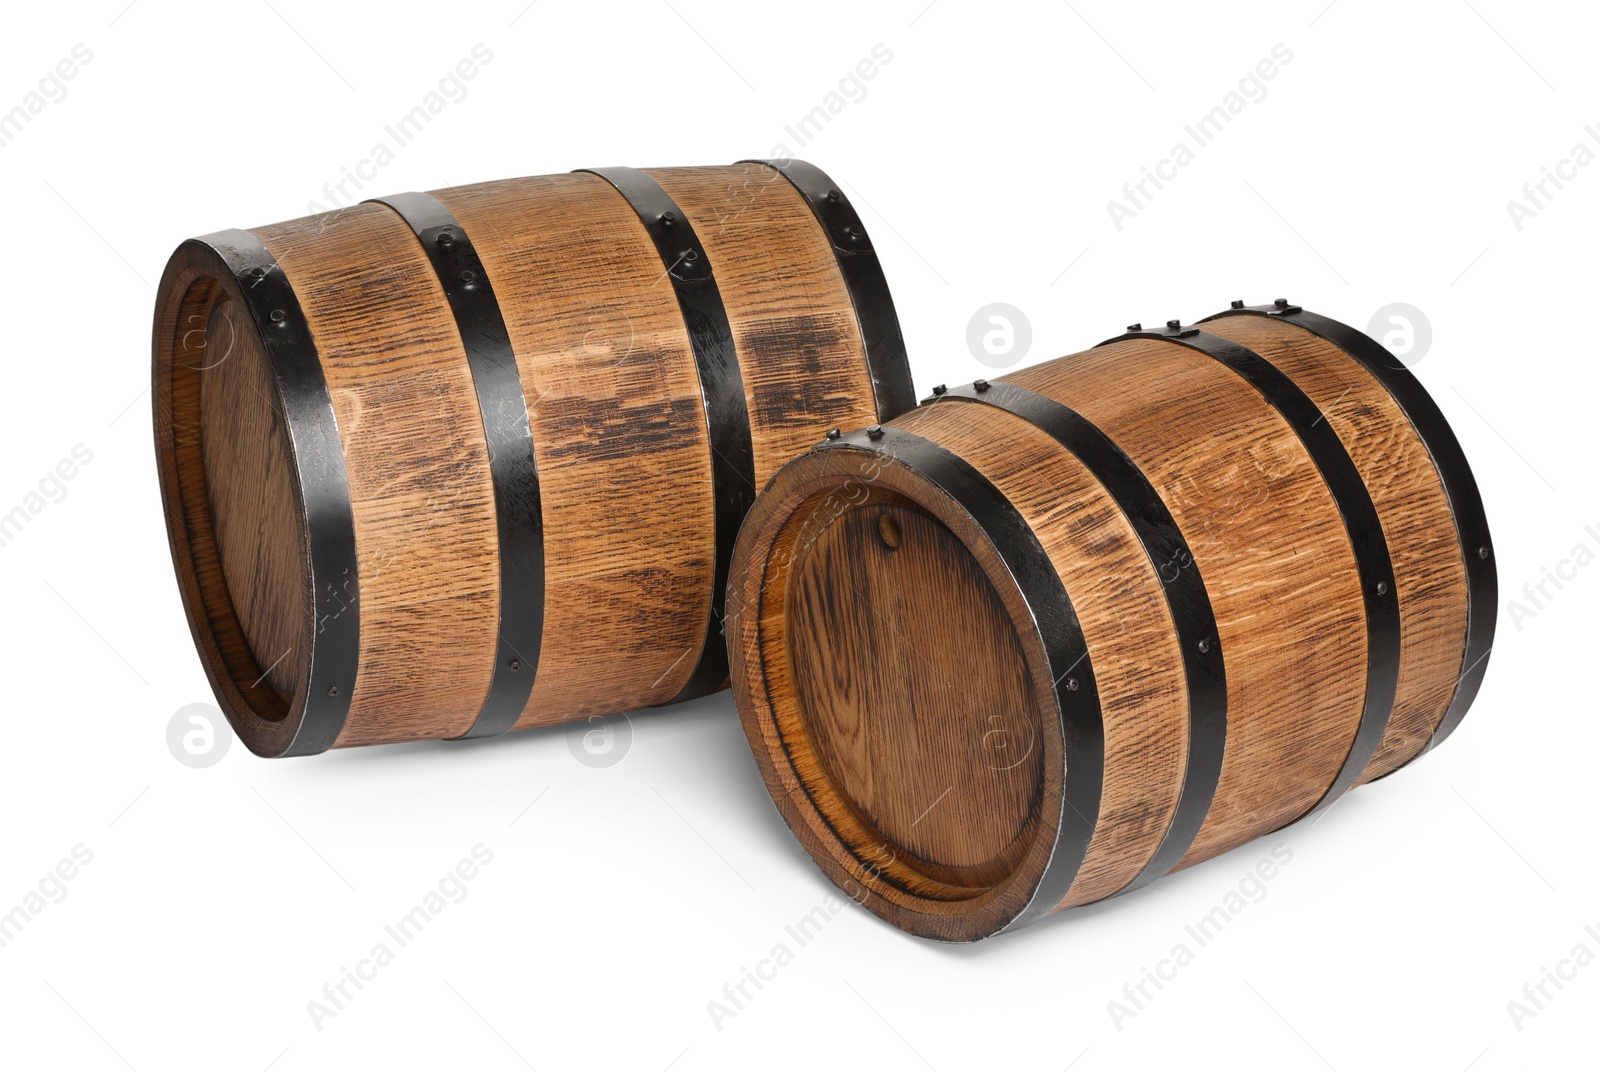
(1269, 545)
(612, 391)
(1287, 596)
(195, 284)
(794, 325)
(251, 487)
(1126, 623)
(913, 687)
(418, 469)
(1430, 575)
(817, 500)
(619, 433)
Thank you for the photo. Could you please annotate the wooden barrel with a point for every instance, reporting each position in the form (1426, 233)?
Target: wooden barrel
(1043, 640)
(444, 465)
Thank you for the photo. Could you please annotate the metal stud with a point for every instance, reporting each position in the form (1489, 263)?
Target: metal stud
(1173, 324)
(1238, 304)
(668, 219)
(1204, 646)
(1383, 588)
(1135, 327)
(833, 433)
(980, 385)
(1072, 684)
(514, 664)
(874, 431)
(278, 316)
(333, 690)
(1483, 552)
(939, 388)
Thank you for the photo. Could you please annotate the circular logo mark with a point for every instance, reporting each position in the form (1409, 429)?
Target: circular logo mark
(1404, 331)
(600, 742)
(999, 335)
(197, 735)
(1007, 743)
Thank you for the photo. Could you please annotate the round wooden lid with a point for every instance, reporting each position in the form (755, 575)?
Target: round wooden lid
(249, 472)
(893, 687)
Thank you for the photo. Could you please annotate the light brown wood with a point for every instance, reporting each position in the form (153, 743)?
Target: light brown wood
(246, 451)
(418, 469)
(1116, 594)
(1430, 576)
(824, 695)
(619, 432)
(1286, 596)
(792, 317)
(614, 402)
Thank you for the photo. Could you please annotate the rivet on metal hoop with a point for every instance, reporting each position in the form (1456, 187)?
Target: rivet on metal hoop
(874, 431)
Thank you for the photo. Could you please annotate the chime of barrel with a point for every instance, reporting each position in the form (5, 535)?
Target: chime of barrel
(446, 465)
(1043, 640)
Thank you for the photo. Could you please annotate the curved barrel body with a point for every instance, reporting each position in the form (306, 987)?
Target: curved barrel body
(1044, 640)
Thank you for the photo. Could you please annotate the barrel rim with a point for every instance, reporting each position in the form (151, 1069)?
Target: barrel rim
(1363, 529)
(241, 267)
(1455, 475)
(513, 464)
(1075, 742)
(862, 271)
(1188, 600)
(727, 413)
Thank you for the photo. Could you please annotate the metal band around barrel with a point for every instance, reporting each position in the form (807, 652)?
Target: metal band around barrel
(1362, 526)
(733, 477)
(324, 485)
(1072, 673)
(1181, 583)
(503, 406)
(1466, 503)
(863, 278)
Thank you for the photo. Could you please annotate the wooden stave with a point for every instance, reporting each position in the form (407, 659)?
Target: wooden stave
(235, 705)
(747, 706)
(1420, 416)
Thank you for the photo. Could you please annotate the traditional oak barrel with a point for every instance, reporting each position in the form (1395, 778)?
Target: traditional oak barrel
(1044, 640)
(446, 465)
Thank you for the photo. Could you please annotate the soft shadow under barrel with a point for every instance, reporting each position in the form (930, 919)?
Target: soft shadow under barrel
(446, 465)
(1044, 640)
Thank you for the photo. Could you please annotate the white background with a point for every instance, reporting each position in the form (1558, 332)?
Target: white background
(220, 901)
